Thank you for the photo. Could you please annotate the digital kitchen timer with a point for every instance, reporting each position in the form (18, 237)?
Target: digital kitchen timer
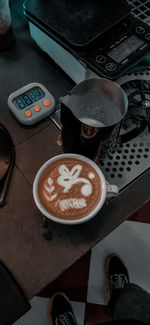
(31, 103)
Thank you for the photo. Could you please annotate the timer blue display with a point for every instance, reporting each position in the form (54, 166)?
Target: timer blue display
(28, 98)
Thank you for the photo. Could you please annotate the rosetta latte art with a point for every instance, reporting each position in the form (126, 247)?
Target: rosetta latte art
(48, 189)
(73, 203)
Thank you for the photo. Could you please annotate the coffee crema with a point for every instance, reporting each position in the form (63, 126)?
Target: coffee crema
(69, 188)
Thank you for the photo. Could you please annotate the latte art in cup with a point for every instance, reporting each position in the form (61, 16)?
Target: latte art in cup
(69, 188)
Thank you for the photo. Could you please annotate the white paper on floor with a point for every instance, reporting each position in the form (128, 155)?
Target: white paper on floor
(37, 315)
(79, 311)
(131, 241)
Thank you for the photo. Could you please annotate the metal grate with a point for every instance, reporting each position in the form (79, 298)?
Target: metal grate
(131, 159)
(128, 161)
(141, 9)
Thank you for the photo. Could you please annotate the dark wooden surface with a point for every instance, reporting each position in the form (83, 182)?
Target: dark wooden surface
(33, 260)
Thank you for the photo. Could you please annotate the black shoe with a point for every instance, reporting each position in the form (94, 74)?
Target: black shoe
(117, 275)
(60, 311)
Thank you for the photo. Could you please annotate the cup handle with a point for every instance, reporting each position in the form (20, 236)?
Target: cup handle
(111, 189)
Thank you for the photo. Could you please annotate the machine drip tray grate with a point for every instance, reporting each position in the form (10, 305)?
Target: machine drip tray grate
(132, 159)
(128, 161)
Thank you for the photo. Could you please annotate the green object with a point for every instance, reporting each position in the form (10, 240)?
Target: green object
(142, 66)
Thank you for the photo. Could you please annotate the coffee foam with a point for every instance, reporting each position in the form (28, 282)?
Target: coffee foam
(69, 188)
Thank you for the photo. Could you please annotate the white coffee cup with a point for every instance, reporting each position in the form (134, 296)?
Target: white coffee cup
(105, 189)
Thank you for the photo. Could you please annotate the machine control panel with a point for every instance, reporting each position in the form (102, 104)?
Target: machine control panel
(121, 51)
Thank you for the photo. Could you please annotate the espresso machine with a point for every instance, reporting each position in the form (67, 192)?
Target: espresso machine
(103, 39)
(99, 38)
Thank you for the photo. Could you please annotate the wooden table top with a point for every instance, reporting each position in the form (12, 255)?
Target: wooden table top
(34, 261)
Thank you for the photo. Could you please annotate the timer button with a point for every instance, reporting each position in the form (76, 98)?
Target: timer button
(140, 30)
(37, 108)
(28, 114)
(147, 36)
(111, 66)
(46, 102)
(100, 59)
